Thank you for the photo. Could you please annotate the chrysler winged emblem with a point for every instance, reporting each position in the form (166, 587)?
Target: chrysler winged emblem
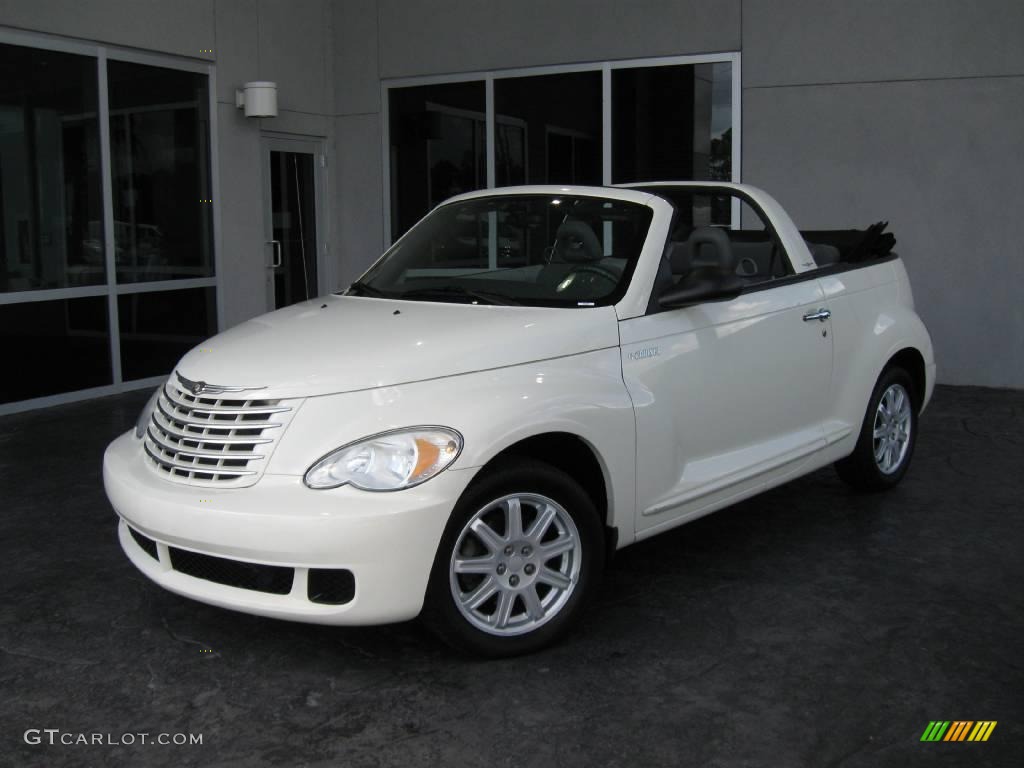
(199, 387)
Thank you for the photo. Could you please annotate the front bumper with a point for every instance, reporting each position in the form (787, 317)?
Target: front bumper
(387, 540)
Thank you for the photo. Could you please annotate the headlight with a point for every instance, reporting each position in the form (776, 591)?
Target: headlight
(389, 461)
(147, 412)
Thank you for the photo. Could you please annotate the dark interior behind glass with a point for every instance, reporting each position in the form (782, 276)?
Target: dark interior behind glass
(160, 167)
(672, 122)
(437, 147)
(66, 340)
(549, 129)
(51, 209)
(158, 327)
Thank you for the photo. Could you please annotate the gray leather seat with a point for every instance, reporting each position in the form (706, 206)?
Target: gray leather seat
(753, 260)
(706, 254)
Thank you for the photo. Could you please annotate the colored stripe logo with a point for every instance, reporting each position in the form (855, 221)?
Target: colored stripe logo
(958, 730)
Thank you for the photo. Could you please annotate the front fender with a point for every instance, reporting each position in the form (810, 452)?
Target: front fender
(582, 395)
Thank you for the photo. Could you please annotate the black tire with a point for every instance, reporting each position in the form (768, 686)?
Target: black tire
(528, 479)
(861, 469)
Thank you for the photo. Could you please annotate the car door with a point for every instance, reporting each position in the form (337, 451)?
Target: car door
(727, 395)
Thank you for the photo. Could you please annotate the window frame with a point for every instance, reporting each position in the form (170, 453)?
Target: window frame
(489, 77)
(110, 288)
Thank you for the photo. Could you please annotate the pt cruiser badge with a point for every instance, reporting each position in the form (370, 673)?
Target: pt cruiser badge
(460, 435)
(644, 353)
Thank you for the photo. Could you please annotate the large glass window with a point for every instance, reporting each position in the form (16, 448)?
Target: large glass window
(51, 347)
(62, 312)
(160, 167)
(51, 209)
(437, 147)
(158, 327)
(672, 123)
(548, 129)
(670, 119)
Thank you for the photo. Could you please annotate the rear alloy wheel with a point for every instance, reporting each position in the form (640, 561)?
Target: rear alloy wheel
(888, 433)
(890, 436)
(516, 562)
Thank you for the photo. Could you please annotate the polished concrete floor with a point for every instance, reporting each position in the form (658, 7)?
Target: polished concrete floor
(808, 627)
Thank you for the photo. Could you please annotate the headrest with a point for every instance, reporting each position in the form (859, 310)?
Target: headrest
(576, 242)
(710, 247)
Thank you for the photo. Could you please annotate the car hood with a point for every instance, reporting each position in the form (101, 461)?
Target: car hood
(347, 343)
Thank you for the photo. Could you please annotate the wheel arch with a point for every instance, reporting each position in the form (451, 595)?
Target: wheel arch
(911, 360)
(578, 458)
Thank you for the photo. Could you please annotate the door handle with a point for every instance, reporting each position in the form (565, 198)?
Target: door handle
(818, 314)
(276, 261)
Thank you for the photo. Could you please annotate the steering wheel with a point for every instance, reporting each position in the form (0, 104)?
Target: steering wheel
(588, 269)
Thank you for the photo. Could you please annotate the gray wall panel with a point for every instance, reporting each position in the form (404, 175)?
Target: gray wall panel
(184, 27)
(237, 48)
(242, 255)
(810, 41)
(293, 53)
(358, 218)
(469, 35)
(300, 123)
(941, 161)
(357, 81)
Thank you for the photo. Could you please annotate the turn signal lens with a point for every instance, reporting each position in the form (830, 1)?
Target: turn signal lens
(389, 461)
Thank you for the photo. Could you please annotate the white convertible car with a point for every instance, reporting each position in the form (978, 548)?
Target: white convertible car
(529, 379)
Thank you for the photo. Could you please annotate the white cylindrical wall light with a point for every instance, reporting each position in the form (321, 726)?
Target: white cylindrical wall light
(259, 99)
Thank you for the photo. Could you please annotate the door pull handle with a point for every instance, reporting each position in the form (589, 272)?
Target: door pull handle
(276, 261)
(818, 314)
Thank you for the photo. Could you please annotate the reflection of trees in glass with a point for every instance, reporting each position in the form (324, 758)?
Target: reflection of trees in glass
(720, 162)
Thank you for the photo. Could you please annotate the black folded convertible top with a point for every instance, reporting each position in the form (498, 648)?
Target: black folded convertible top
(855, 245)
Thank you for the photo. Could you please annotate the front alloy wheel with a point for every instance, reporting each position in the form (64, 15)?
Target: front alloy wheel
(517, 561)
(515, 564)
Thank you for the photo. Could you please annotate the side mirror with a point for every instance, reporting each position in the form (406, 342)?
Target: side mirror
(716, 288)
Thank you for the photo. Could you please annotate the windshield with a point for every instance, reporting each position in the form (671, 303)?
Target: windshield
(537, 250)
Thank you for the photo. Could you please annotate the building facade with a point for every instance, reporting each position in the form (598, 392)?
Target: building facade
(142, 210)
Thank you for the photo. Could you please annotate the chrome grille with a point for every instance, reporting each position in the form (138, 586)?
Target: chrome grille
(222, 439)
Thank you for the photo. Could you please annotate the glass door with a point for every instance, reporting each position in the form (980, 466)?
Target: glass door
(291, 195)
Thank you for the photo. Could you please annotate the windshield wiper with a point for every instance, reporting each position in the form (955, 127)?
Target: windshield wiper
(487, 297)
(367, 290)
